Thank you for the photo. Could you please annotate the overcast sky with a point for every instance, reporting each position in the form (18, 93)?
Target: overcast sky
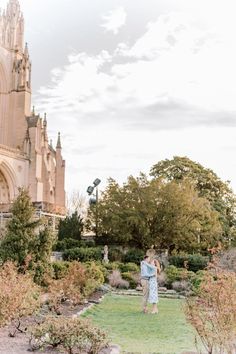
(129, 83)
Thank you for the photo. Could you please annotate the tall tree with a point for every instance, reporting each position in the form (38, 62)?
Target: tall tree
(208, 185)
(19, 241)
(170, 215)
(70, 227)
(184, 221)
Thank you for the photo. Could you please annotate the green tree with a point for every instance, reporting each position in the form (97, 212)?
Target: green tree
(207, 184)
(184, 221)
(41, 265)
(71, 227)
(125, 214)
(169, 215)
(19, 241)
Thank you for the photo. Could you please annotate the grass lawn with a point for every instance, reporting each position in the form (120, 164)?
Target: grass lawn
(136, 332)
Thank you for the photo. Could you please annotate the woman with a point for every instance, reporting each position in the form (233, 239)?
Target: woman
(153, 288)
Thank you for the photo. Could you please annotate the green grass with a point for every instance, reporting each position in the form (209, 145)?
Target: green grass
(136, 332)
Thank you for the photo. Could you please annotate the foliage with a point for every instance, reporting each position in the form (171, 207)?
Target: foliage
(94, 276)
(125, 214)
(78, 282)
(115, 254)
(19, 296)
(83, 254)
(169, 215)
(197, 280)
(193, 262)
(174, 274)
(182, 286)
(60, 269)
(185, 221)
(227, 259)
(41, 265)
(116, 281)
(133, 255)
(70, 227)
(207, 184)
(74, 335)
(132, 278)
(128, 267)
(213, 312)
(19, 240)
(68, 243)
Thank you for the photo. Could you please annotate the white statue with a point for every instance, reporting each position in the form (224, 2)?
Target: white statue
(105, 254)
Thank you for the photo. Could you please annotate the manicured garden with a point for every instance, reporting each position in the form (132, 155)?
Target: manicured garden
(167, 332)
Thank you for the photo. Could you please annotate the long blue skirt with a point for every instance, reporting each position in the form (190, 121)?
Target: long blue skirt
(153, 291)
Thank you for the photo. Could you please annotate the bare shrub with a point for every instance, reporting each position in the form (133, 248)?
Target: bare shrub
(161, 279)
(213, 311)
(181, 286)
(74, 335)
(227, 260)
(19, 296)
(78, 282)
(116, 281)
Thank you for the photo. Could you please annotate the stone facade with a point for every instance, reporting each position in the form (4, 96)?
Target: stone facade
(27, 159)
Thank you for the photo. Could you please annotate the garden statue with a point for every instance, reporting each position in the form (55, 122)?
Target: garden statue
(105, 254)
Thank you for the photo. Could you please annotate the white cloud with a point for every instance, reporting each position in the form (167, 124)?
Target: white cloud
(179, 74)
(114, 20)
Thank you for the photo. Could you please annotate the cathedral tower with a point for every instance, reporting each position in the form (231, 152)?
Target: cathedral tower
(26, 157)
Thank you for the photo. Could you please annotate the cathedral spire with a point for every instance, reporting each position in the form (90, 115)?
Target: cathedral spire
(59, 141)
(12, 26)
(26, 51)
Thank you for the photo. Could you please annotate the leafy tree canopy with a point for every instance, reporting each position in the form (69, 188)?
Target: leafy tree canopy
(207, 184)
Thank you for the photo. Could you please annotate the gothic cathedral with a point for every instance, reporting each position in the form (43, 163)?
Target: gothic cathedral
(27, 159)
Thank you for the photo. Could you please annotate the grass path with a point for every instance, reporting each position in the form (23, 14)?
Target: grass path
(165, 333)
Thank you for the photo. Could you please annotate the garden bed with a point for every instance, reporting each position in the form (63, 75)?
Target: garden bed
(20, 343)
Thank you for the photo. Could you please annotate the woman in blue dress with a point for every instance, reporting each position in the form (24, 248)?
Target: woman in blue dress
(153, 286)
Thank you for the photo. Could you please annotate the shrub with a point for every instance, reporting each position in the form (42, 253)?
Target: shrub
(197, 280)
(172, 274)
(181, 286)
(227, 260)
(115, 254)
(74, 335)
(19, 296)
(68, 243)
(212, 312)
(116, 281)
(83, 254)
(132, 278)
(68, 288)
(161, 279)
(112, 265)
(94, 278)
(128, 267)
(80, 280)
(60, 269)
(194, 262)
(134, 255)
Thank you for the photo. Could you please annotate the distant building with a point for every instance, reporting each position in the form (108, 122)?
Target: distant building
(27, 159)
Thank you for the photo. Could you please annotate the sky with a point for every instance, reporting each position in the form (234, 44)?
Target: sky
(129, 83)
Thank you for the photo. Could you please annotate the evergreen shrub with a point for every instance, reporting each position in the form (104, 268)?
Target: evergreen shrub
(194, 262)
(83, 254)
